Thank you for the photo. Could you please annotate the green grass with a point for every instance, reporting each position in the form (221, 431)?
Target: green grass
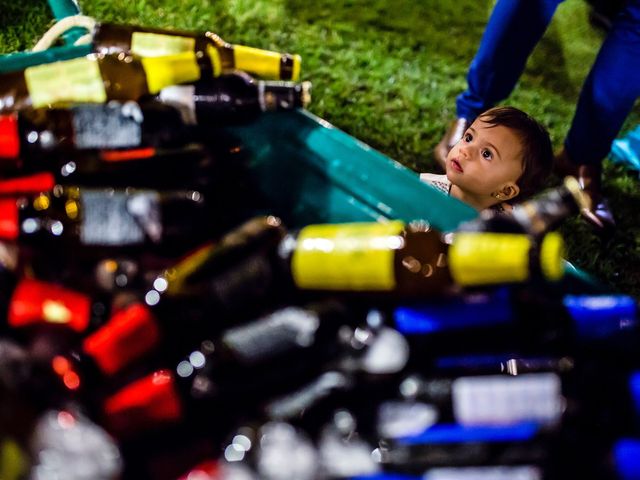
(387, 72)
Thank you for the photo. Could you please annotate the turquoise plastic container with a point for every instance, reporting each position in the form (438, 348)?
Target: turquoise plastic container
(312, 172)
(315, 173)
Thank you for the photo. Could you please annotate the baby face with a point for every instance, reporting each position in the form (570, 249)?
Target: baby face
(485, 160)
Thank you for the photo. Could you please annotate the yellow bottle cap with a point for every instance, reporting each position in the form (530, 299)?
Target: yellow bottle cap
(297, 65)
(478, 258)
(551, 256)
(170, 70)
(263, 63)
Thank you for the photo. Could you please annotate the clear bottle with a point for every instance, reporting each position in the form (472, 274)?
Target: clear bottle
(212, 51)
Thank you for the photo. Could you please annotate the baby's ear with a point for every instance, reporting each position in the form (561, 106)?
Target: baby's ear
(509, 191)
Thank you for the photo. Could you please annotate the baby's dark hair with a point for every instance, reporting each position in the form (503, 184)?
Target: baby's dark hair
(537, 152)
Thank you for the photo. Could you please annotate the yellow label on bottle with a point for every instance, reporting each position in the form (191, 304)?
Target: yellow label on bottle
(170, 70)
(489, 258)
(214, 58)
(76, 80)
(354, 256)
(263, 63)
(157, 45)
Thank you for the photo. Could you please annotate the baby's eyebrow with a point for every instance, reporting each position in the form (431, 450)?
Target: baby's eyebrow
(471, 129)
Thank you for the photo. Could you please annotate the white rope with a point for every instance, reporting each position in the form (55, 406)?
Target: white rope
(64, 24)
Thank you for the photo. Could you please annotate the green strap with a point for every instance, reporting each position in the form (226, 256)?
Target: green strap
(67, 8)
(22, 60)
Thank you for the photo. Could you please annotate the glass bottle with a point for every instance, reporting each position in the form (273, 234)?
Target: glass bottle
(30, 134)
(535, 216)
(208, 47)
(233, 98)
(491, 399)
(520, 321)
(377, 260)
(107, 218)
(233, 372)
(95, 78)
(414, 260)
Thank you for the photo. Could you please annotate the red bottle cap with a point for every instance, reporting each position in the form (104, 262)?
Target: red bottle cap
(9, 136)
(40, 182)
(147, 402)
(35, 302)
(207, 470)
(126, 337)
(8, 219)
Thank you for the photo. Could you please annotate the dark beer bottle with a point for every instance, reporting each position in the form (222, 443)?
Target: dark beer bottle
(213, 52)
(241, 367)
(31, 133)
(106, 218)
(414, 260)
(234, 98)
(385, 260)
(521, 322)
(95, 78)
(536, 216)
(491, 399)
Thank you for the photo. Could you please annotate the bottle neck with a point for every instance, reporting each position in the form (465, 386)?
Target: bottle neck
(546, 211)
(277, 96)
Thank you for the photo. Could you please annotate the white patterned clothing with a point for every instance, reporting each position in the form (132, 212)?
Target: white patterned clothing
(443, 184)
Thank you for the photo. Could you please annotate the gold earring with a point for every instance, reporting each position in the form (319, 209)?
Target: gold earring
(498, 196)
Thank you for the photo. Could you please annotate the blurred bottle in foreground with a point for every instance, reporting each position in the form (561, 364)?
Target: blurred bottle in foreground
(535, 216)
(378, 261)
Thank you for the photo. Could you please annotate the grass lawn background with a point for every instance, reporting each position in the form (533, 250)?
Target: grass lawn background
(387, 72)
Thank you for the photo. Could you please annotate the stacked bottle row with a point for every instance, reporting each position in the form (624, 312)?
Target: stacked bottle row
(158, 321)
(310, 346)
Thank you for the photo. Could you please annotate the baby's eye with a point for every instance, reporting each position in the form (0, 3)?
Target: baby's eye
(468, 137)
(487, 154)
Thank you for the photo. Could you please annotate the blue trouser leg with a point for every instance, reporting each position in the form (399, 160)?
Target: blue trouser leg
(513, 30)
(609, 92)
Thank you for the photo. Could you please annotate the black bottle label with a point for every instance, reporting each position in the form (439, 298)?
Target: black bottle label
(283, 331)
(119, 218)
(107, 126)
